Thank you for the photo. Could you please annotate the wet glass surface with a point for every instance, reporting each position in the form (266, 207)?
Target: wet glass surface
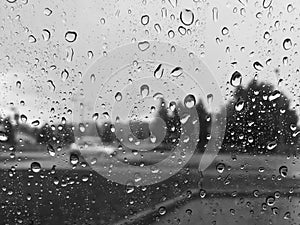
(149, 112)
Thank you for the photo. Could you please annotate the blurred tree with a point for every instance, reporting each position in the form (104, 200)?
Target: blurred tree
(7, 130)
(46, 135)
(65, 134)
(259, 121)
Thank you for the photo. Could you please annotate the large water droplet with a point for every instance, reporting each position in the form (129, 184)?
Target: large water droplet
(239, 105)
(143, 45)
(187, 17)
(145, 20)
(287, 44)
(258, 66)
(35, 123)
(190, 101)
(225, 31)
(118, 96)
(3, 137)
(46, 34)
(271, 145)
(51, 150)
(236, 79)
(176, 72)
(71, 36)
(283, 171)
(274, 95)
(35, 167)
(267, 3)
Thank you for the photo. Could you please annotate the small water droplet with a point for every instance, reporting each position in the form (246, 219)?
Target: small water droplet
(274, 95)
(64, 75)
(173, 3)
(171, 34)
(46, 34)
(95, 116)
(225, 31)
(35, 123)
(3, 137)
(51, 85)
(51, 150)
(162, 210)
(157, 28)
(143, 45)
(283, 171)
(90, 54)
(47, 11)
(93, 78)
(271, 145)
(190, 101)
(220, 167)
(70, 36)
(158, 72)
(239, 105)
(118, 96)
(31, 39)
(144, 90)
(215, 13)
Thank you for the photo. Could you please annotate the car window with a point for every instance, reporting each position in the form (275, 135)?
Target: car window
(149, 112)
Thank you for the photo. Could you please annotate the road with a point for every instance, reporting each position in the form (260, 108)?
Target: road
(236, 194)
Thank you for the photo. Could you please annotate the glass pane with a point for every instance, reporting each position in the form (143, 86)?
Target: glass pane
(149, 112)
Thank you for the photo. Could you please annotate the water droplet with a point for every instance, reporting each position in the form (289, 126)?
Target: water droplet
(11, 1)
(187, 17)
(64, 75)
(81, 127)
(23, 118)
(258, 66)
(236, 79)
(171, 34)
(35, 123)
(190, 101)
(3, 137)
(51, 85)
(118, 96)
(35, 167)
(181, 30)
(144, 90)
(287, 44)
(71, 36)
(157, 28)
(95, 116)
(31, 39)
(215, 13)
(70, 54)
(74, 159)
(93, 78)
(225, 31)
(274, 95)
(267, 3)
(271, 145)
(173, 3)
(18, 84)
(90, 54)
(290, 8)
(46, 34)
(145, 20)
(239, 105)
(51, 150)
(283, 171)
(176, 72)
(143, 45)
(220, 167)
(158, 72)
(162, 210)
(270, 201)
(47, 11)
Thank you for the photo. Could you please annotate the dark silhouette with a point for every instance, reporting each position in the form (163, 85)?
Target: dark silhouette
(259, 121)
